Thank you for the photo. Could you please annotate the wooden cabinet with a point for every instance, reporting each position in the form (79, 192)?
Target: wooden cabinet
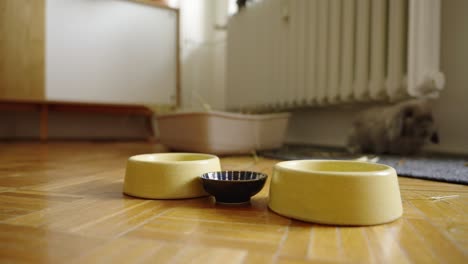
(112, 52)
(22, 45)
(112, 56)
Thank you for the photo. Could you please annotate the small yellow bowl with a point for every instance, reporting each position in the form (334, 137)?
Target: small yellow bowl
(168, 175)
(336, 192)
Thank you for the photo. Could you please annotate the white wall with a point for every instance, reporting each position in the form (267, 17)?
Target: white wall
(330, 126)
(203, 53)
(451, 111)
(110, 51)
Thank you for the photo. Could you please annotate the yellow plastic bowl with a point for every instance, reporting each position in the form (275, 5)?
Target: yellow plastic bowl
(336, 192)
(168, 175)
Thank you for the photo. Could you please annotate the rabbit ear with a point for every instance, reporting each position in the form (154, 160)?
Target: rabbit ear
(395, 125)
(435, 138)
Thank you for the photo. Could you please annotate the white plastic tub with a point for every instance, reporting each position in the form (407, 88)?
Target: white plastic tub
(221, 132)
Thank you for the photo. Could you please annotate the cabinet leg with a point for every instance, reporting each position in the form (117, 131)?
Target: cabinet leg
(44, 123)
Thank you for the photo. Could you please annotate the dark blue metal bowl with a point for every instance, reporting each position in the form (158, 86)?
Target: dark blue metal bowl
(233, 186)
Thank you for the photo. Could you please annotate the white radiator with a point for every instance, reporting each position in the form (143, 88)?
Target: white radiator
(298, 53)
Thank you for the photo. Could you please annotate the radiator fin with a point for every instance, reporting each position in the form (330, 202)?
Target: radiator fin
(285, 54)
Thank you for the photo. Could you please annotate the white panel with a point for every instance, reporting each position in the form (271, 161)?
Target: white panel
(247, 55)
(264, 49)
(334, 51)
(311, 50)
(361, 81)
(110, 51)
(347, 51)
(396, 87)
(262, 58)
(284, 51)
(424, 78)
(378, 49)
(323, 31)
(275, 29)
(253, 93)
(245, 61)
(301, 41)
(279, 49)
(240, 92)
(269, 17)
(292, 53)
(234, 66)
(281, 53)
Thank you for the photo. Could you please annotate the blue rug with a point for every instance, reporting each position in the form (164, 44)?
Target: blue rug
(430, 167)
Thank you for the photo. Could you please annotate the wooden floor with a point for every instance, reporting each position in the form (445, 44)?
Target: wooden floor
(63, 202)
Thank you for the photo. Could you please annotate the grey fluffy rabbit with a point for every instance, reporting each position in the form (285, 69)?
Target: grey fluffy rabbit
(399, 129)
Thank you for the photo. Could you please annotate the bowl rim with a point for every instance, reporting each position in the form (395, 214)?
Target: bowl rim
(207, 158)
(262, 176)
(385, 171)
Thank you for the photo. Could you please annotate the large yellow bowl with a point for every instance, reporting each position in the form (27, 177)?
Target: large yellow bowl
(336, 192)
(168, 175)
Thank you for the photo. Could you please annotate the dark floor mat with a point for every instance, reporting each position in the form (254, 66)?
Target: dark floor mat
(431, 167)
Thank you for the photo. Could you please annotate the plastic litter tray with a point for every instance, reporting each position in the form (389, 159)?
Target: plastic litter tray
(222, 132)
